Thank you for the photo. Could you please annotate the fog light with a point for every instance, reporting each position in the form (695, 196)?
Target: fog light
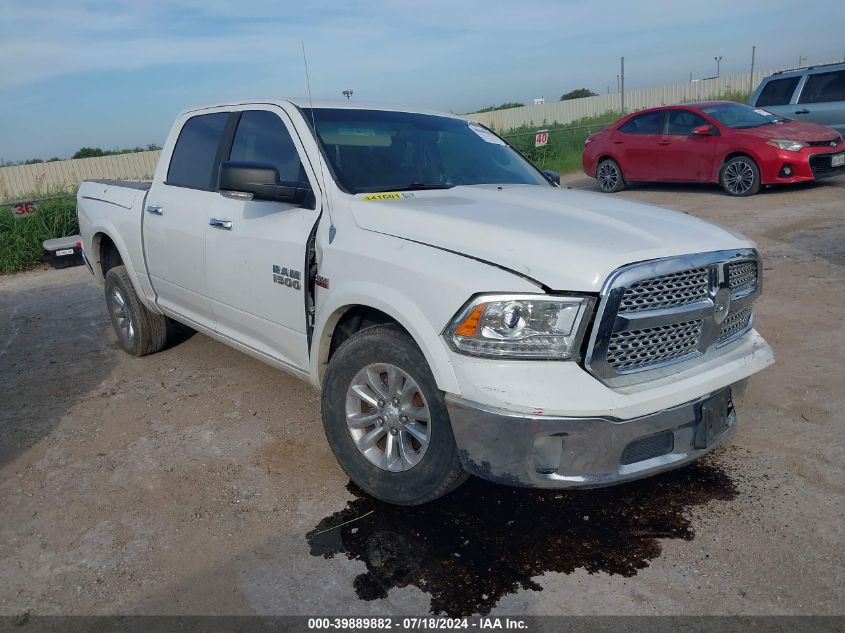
(786, 171)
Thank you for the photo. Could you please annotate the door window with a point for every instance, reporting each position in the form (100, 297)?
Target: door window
(683, 122)
(777, 92)
(824, 87)
(263, 138)
(195, 154)
(648, 123)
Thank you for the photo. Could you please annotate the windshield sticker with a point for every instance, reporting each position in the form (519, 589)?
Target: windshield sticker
(486, 134)
(763, 112)
(356, 131)
(390, 195)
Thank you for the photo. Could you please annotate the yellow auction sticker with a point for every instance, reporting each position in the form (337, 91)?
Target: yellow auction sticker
(391, 195)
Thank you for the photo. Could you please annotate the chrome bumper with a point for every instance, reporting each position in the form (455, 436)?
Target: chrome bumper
(556, 452)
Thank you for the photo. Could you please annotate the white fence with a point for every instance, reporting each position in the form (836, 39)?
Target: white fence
(563, 112)
(65, 175)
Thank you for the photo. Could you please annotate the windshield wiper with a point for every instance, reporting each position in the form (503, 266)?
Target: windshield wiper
(413, 186)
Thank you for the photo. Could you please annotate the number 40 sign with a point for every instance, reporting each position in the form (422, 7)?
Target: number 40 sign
(24, 209)
(541, 138)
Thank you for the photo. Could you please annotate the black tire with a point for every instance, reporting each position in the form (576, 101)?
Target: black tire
(438, 471)
(609, 176)
(740, 177)
(139, 331)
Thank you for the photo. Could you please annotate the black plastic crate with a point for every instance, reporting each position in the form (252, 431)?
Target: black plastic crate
(64, 252)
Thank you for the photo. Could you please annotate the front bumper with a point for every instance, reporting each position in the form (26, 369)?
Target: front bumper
(540, 451)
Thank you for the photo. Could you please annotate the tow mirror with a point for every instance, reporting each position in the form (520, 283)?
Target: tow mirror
(553, 176)
(702, 130)
(257, 181)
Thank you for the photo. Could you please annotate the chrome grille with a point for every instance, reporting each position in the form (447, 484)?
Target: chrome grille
(742, 276)
(735, 323)
(659, 313)
(666, 291)
(634, 349)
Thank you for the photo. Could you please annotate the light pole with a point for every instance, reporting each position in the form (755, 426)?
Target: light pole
(347, 94)
(718, 65)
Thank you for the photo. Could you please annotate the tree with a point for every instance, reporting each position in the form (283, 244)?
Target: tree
(89, 152)
(580, 93)
(504, 106)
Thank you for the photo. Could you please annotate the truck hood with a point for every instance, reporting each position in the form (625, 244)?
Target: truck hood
(563, 239)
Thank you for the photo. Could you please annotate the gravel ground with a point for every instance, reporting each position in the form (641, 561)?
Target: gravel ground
(198, 481)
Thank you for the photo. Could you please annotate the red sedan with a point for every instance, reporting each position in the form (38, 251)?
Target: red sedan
(739, 147)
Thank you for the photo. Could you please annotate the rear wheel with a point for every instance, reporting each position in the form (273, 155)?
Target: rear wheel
(740, 176)
(609, 176)
(386, 420)
(139, 331)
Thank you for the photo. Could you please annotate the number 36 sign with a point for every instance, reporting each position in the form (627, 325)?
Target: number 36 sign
(24, 209)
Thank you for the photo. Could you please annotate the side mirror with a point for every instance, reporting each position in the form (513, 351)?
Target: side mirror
(553, 176)
(257, 181)
(702, 130)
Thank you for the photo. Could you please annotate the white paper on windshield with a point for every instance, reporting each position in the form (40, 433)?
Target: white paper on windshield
(486, 134)
(763, 112)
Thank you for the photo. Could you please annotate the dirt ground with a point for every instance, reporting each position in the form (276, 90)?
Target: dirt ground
(198, 480)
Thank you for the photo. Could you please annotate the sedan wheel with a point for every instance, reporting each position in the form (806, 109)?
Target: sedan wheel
(740, 177)
(609, 176)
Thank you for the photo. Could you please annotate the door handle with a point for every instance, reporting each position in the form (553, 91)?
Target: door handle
(802, 111)
(664, 142)
(219, 223)
(154, 210)
(618, 142)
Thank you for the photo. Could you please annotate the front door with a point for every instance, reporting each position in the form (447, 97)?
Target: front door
(685, 156)
(256, 250)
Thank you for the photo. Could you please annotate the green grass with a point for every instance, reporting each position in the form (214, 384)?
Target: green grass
(21, 239)
(566, 143)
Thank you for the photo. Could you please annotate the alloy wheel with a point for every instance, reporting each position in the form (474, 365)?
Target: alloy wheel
(739, 177)
(388, 417)
(608, 176)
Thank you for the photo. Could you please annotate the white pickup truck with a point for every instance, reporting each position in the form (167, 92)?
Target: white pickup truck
(461, 313)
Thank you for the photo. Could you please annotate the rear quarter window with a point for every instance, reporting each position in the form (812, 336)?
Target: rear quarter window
(195, 153)
(777, 92)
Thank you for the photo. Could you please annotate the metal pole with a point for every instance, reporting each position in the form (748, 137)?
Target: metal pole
(622, 83)
(751, 79)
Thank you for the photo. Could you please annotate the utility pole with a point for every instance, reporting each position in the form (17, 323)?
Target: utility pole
(718, 65)
(347, 94)
(622, 83)
(751, 79)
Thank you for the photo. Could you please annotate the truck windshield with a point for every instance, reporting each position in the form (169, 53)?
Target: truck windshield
(376, 151)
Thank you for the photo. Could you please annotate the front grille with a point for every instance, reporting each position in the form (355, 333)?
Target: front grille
(831, 142)
(742, 276)
(648, 448)
(659, 313)
(735, 323)
(634, 349)
(666, 291)
(820, 165)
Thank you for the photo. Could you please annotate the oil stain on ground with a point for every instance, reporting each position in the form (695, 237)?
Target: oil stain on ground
(484, 541)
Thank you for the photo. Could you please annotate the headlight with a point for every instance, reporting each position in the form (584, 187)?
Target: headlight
(520, 326)
(792, 146)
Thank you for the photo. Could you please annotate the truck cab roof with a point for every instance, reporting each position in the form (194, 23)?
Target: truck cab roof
(345, 104)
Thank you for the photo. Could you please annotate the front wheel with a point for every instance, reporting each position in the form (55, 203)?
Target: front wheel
(740, 176)
(386, 420)
(609, 176)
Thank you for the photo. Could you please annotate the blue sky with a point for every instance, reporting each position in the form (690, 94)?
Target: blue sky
(93, 73)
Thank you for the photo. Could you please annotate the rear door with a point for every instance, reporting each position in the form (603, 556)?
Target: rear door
(637, 144)
(255, 250)
(175, 217)
(822, 99)
(686, 156)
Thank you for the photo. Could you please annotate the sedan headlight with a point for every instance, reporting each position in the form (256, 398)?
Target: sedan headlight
(521, 326)
(792, 146)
